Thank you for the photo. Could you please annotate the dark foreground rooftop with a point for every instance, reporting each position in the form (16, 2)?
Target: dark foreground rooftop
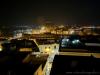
(71, 65)
(12, 64)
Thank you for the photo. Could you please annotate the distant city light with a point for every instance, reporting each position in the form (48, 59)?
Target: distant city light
(71, 32)
(43, 28)
(61, 26)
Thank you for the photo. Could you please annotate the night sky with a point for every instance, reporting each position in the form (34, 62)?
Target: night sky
(58, 11)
